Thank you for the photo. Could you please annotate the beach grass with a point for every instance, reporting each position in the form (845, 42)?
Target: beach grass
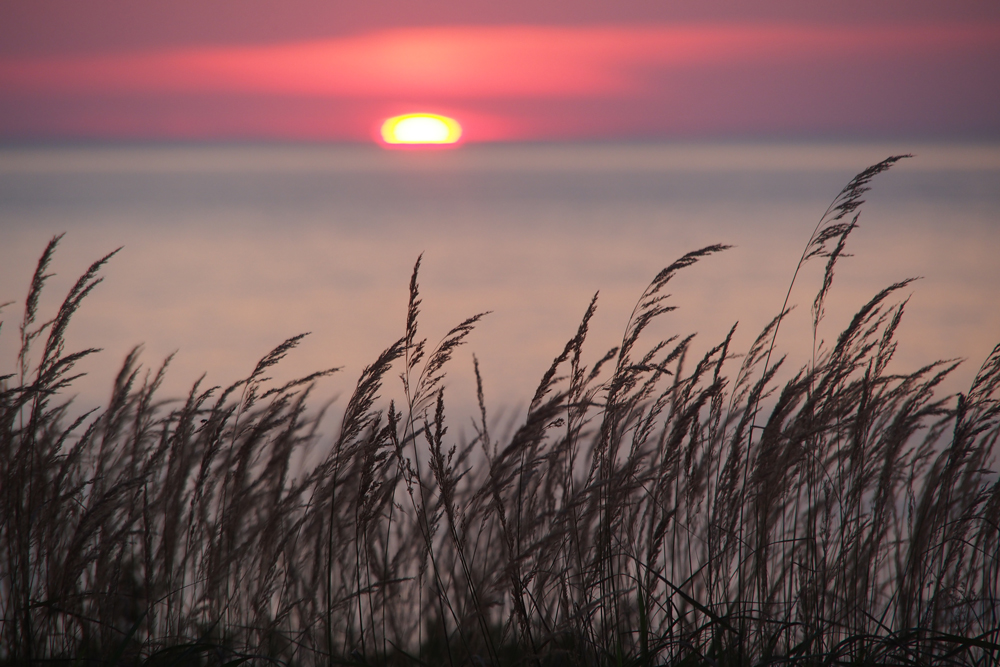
(652, 506)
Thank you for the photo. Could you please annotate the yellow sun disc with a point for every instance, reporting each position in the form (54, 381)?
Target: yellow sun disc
(421, 128)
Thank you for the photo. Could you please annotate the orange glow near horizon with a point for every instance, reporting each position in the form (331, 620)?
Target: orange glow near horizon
(421, 129)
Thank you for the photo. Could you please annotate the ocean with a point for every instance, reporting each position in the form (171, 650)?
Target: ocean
(227, 250)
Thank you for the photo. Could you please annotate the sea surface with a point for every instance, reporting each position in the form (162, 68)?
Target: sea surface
(229, 250)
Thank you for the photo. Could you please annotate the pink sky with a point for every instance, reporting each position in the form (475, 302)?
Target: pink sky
(257, 69)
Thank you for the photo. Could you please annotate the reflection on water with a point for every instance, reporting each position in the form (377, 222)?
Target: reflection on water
(230, 250)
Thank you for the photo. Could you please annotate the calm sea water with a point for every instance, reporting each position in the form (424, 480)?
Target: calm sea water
(230, 250)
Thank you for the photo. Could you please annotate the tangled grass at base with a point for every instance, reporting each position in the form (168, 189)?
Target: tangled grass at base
(647, 510)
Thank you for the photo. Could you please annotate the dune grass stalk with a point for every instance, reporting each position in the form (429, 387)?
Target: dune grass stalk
(652, 506)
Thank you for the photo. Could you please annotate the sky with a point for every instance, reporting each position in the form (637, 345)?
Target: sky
(521, 70)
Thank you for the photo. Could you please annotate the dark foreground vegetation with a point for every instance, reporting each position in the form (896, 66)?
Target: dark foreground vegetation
(653, 507)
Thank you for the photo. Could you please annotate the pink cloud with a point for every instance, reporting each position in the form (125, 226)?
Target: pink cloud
(475, 62)
(527, 82)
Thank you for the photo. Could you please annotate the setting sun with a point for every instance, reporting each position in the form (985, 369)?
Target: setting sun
(421, 128)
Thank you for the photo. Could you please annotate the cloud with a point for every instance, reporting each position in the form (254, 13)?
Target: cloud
(476, 62)
(520, 82)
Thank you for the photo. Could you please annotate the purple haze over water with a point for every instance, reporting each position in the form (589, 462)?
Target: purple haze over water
(228, 250)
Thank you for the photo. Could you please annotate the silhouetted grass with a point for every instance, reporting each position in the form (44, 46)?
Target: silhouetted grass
(650, 508)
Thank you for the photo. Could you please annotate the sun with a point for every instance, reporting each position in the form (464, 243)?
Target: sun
(415, 129)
